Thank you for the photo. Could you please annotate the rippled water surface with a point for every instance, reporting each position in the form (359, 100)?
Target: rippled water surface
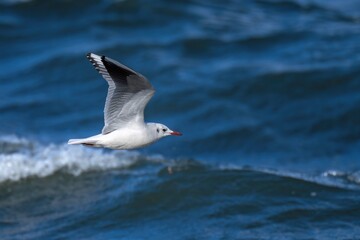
(266, 93)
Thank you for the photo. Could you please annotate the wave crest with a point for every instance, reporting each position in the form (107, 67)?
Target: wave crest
(21, 158)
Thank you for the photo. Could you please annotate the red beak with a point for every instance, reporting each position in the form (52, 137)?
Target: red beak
(176, 133)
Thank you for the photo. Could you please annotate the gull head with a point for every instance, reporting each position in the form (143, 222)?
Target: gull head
(162, 131)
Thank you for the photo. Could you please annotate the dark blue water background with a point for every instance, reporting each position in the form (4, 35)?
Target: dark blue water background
(266, 93)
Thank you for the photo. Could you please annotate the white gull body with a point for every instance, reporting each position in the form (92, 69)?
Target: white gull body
(128, 94)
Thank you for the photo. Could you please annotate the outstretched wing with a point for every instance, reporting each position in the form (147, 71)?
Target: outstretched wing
(128, 93)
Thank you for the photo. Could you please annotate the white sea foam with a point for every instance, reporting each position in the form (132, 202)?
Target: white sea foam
(21, 158)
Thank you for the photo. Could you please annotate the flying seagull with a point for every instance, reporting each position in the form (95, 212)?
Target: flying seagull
(128, 94)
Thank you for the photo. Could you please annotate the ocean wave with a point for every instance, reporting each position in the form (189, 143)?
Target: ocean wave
(21, 158)
(14, 2)
(328, 178)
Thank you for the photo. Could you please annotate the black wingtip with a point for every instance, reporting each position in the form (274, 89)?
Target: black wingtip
(88, 56)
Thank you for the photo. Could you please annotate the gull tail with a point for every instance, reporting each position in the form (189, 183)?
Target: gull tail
(84, 141)
(76, 141)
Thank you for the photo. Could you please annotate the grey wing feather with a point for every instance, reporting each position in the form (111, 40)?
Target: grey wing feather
(128, 93)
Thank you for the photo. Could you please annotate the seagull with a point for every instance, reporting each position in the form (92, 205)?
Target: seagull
(127, 96)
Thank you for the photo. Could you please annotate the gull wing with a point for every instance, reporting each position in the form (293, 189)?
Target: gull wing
(128, 93)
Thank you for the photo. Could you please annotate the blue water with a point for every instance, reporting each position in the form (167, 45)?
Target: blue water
(266, 93)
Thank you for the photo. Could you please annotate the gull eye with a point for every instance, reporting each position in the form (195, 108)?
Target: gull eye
(157, 130)
(164, 129)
